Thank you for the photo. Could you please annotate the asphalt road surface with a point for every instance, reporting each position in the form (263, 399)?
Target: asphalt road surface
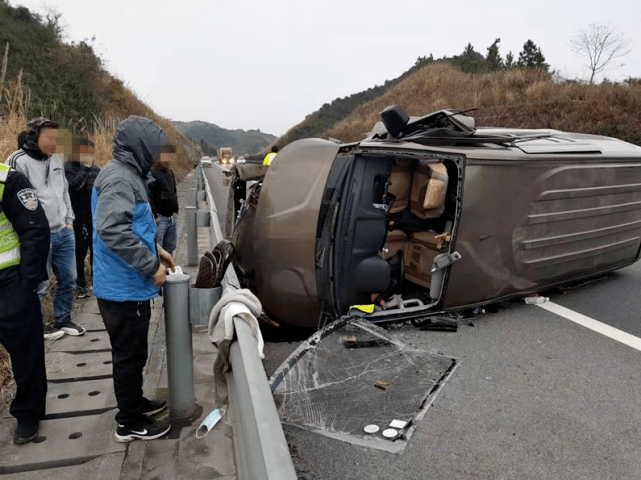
(535, 396)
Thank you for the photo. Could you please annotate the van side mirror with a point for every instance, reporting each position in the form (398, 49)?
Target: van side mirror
(395, 120)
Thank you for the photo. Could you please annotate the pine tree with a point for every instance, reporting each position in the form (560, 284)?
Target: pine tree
(532, 57)
(493, 59)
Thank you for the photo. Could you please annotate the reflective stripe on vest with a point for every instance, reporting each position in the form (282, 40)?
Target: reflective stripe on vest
(9, 242)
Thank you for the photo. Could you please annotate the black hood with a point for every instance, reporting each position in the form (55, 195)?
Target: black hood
(31, 137)
(137, 143)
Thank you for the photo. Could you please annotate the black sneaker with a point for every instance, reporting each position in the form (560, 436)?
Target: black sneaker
(152, 407)
(147, 429)
(83, 292)
(70, 328)
(25, 432)
(52, 332)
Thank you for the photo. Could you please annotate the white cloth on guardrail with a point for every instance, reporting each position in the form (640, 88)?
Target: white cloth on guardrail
(245, 305)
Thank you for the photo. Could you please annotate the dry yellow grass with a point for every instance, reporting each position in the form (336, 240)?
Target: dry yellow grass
(6, 385)
(521, 98)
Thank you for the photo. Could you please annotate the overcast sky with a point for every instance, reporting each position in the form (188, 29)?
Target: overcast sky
(265, 65)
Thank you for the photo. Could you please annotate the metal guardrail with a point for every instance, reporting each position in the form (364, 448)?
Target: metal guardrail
(259, 442)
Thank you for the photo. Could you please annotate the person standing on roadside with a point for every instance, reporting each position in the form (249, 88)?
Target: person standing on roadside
(165, 199)
(45, 170)
(128, 269)
(24, 247)
(270, 156)
(81, 174)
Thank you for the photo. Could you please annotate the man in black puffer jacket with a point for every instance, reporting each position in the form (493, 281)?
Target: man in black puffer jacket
(81, 173)
(165, 199)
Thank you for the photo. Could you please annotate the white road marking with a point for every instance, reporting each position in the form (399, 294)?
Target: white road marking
(587, 322)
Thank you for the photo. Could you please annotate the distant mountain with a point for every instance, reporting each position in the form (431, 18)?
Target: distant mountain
(210, 137)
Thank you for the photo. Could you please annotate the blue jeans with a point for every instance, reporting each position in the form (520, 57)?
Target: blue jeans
(166, 232)
(62, 261)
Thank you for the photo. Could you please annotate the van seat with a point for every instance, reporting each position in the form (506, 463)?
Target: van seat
(395, 242)
(418, 256)
(400, 185)
(429, 186)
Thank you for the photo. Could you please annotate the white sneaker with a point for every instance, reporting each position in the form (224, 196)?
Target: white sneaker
(52, 332)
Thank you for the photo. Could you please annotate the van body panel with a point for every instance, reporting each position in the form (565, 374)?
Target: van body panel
(511, 212)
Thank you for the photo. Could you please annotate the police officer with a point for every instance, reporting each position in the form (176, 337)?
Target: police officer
(270, 156)
(24, 247)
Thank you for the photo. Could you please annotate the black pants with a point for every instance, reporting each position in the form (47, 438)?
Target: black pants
(83, 233)
(127, 324)
(21, 335)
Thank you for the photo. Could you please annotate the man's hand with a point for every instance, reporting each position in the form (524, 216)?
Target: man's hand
(165, 258)
(160, 276)
(69, 225)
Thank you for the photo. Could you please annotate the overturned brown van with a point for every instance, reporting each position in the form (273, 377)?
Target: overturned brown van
(431, 214)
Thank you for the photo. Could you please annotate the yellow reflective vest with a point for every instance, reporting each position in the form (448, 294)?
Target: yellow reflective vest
(9, 242)
(268, 158)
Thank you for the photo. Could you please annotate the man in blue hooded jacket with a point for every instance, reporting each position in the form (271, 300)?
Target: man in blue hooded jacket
(128, 269)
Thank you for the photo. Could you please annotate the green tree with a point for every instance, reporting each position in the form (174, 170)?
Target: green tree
(493, 60)
(470, 61)
(421, 61)
(532, 57)
(509, 61)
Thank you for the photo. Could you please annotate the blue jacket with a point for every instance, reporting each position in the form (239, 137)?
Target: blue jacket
(125, 255)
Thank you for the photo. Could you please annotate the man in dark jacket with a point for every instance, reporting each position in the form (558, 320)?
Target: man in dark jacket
(81, 174)
(128, 269)
(24, 247)
(38, 161)
(165, 199)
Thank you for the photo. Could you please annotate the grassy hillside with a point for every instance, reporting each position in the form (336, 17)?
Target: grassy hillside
(520, 98)
(43, 76)
(210, 137)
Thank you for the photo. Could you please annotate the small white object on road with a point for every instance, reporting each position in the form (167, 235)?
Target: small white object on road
(536, 300)
(209, 422)
(398, 424)
(390, 433)
(371, 429)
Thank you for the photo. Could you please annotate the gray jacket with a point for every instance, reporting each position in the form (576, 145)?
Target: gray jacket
(48, 179)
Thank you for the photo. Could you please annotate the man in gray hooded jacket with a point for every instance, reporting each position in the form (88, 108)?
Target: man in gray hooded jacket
(128, 268)
(38, 161)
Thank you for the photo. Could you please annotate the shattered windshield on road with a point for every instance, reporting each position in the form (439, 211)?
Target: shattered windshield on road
(352, 380)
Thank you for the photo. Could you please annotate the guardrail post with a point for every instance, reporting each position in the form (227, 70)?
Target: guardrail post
(201, 180)
(193, 197)
(192, 236)
(180, 366)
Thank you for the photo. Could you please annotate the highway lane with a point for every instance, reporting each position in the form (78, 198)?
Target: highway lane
(535, 396)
